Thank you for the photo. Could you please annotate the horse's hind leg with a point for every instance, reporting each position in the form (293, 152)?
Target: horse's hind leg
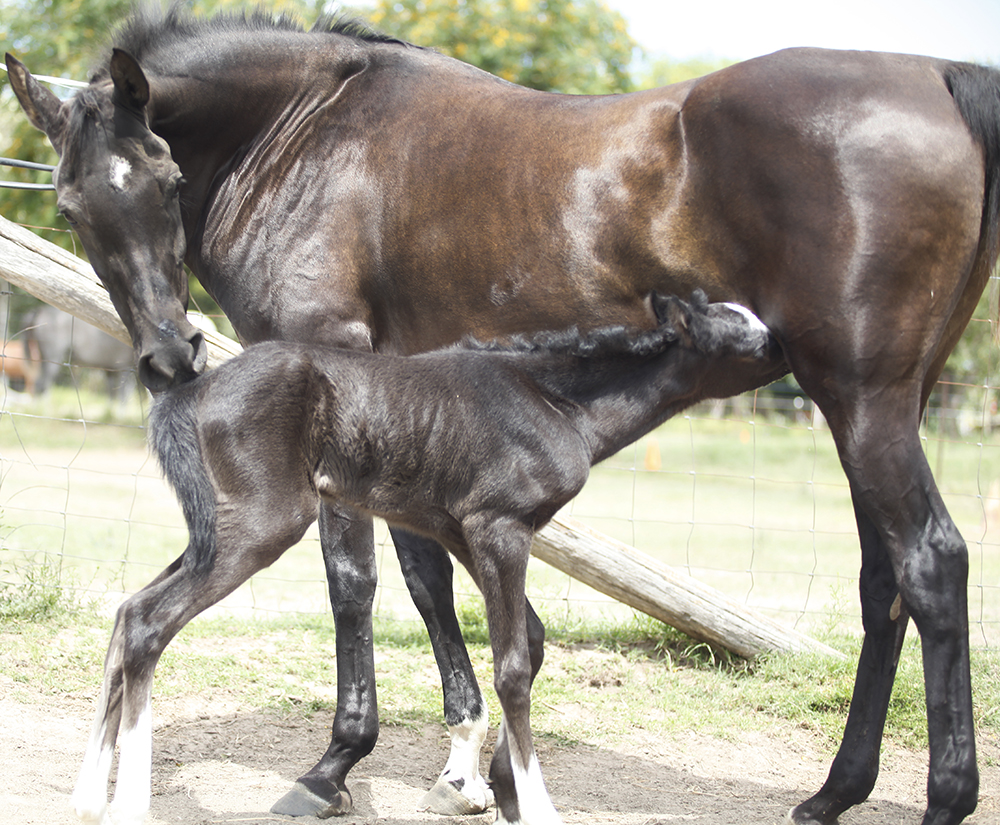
(428, 572)
(904, 525)
(90, 799)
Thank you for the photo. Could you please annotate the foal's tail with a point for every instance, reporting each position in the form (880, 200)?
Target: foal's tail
(173, 436)
(976, 91)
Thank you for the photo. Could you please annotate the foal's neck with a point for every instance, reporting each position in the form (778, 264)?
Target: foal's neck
(618, 399)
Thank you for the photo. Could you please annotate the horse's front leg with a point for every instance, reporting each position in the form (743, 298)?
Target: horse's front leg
(499, 551)
(428, 572)
(349, 554)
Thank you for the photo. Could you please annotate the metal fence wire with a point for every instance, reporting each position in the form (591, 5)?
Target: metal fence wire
(747, 496)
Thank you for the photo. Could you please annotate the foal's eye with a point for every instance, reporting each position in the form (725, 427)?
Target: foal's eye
(69, 216)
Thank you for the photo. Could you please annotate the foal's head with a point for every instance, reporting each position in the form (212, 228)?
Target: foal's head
(736, 351)
(118, 187)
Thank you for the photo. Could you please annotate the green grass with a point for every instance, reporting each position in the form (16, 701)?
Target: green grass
(599, 681)
(761, 511)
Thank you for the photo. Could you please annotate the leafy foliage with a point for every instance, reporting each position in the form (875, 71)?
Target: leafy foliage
(573, 46)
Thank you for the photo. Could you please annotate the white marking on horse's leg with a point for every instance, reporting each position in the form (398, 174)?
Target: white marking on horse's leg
(90, 795)
(755, 322)
(532, 797)
(533, 802)
(461, 789)
(135, 763)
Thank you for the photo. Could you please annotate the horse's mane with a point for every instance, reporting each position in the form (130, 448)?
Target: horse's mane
(151, 27)
(599, 343)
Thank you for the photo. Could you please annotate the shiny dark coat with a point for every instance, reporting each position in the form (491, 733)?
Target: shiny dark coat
(347, 189)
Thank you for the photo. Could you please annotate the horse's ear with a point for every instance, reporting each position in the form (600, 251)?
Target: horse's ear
(42, 107)
(131, 86)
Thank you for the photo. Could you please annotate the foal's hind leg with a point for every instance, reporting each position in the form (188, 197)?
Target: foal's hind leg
(427, 569)
(903, 524)
(144, 626)
(500, 551)
(90, 799)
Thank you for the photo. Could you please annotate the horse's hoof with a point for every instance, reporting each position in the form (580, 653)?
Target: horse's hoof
(792, 820)
(447, 799)
(300, 801)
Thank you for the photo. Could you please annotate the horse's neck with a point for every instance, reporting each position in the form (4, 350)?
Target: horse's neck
(616, 400)
(216, 112)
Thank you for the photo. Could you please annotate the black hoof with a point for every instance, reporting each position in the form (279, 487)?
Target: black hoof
(300, 801)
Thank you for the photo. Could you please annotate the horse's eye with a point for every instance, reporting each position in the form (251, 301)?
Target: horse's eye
(174, 189)
(69, 216)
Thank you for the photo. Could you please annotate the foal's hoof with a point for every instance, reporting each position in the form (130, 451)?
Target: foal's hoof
(450, 799)
(802, 819)
(300, 801)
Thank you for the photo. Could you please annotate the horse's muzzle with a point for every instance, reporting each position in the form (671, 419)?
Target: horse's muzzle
(172, 360)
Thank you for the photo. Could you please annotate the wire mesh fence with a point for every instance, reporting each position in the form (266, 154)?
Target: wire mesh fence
(747, 496)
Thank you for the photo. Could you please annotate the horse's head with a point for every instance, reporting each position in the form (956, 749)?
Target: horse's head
(118, 187)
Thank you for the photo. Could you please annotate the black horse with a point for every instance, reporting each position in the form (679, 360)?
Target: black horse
(343, 188)
(476, 447)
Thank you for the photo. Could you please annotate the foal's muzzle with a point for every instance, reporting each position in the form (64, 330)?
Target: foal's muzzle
(173, 359)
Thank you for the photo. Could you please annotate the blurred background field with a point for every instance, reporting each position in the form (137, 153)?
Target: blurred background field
(750, 501)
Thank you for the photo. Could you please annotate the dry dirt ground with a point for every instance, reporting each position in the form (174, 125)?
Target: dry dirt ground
(214, 762)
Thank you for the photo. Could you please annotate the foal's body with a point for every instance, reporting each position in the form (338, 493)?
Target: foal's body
(475, 448)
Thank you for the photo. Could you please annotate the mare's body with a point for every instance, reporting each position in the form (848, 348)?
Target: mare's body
(381, 197)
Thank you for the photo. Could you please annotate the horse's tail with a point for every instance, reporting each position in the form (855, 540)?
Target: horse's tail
(976, 91)
(173, 435)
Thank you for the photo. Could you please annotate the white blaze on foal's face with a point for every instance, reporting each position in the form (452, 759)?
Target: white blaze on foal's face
(120, 171)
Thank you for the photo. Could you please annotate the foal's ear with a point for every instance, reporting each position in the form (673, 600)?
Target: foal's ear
(42, 107)
(131, 86)
(679, 317)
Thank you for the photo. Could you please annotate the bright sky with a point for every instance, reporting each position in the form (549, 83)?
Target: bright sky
(738, 29)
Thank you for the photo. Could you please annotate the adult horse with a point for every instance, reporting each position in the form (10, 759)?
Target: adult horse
(344, 188)
(59, 339)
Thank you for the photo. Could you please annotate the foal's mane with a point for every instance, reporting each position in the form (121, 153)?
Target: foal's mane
(150, 28)
(605, 342)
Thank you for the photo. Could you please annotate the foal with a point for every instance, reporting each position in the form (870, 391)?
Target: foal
(477, 446)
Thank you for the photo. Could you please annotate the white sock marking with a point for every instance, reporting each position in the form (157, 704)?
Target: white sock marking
(463, 762)
(90, 795)
(135, 763)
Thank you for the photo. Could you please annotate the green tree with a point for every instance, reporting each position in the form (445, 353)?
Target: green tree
(575, 46)
(664, 71)
(62, 38)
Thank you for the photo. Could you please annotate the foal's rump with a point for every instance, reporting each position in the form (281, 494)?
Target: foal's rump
(236, 444)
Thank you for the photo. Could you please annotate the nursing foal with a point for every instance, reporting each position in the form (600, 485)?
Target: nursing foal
(477, 446)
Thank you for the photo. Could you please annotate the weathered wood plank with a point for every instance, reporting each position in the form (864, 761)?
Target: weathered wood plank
(673, 597)
(53, 275)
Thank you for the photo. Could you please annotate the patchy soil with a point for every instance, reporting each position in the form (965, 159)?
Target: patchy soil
(214, 762)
